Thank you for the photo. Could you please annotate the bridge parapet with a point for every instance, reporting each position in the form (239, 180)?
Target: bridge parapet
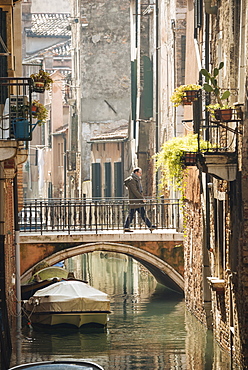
(77, 215)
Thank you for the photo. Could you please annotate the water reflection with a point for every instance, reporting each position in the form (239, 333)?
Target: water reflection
(148, 328)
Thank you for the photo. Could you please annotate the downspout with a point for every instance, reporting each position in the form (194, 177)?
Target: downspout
(65, 167)
(157, 118)
(18, 270)
(138, 25)
(206, 244)
(210, 9)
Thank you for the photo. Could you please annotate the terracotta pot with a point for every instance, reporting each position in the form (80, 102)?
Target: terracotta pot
(39, 86)
(223, 114)
(190, 158)
(34, 109)
(191, 96)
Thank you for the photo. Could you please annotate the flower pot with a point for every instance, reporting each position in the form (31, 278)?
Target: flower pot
(34, 109)
(39, 86)
(223, 114)
(190, 96)
(189, 158)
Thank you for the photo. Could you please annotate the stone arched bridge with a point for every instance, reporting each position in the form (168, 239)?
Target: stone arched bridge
(161, 251)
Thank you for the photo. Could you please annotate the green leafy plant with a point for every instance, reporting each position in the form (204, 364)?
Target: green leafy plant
(20, 111)
(211, 85)
(180, 93)
(44, 77)
(170, 159)
(41, 113)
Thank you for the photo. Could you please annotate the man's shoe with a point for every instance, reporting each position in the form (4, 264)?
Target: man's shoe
(153, 227)
(128, 231)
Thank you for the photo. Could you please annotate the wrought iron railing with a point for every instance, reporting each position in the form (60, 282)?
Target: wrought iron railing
(15, 108)
(222, 133)
(87, 215)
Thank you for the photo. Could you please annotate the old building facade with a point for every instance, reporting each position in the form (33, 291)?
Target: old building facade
(216, 204)
(12, 154)
(101, 44)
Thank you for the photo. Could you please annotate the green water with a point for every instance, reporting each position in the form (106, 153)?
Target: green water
(148, 328)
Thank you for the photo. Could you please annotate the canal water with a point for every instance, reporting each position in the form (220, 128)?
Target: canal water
(149, 327)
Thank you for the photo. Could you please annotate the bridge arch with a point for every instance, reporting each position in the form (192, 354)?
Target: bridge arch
(161, 270)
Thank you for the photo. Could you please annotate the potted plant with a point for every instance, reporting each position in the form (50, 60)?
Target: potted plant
(39, 111)
(41, 81)
(185, 94)
(174, 155)
(221, 111)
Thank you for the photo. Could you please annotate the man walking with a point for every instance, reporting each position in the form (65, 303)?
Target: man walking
(136, 199)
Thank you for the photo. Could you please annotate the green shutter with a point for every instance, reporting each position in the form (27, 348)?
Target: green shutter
(146, 100)
(107, 190)
(96, 180)
(3, 58)
(118, 179)
(134, 87)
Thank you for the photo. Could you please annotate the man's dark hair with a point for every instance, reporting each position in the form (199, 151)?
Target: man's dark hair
(137, 169)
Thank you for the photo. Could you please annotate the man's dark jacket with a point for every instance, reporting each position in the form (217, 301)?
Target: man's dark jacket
(136, 198)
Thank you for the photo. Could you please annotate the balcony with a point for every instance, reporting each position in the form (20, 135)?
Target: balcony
(224, 136)
(15, 121)
(15, 109)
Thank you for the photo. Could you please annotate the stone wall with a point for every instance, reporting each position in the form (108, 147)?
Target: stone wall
(193, 246)
(9, 247)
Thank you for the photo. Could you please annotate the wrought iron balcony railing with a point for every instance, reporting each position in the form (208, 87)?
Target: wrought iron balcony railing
(15, 108)
(222, 132)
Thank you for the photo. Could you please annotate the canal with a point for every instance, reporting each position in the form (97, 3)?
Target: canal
(149, 327)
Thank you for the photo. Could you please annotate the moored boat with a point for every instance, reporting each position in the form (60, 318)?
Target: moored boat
(42, 279)
(59, 365)
(68, 302)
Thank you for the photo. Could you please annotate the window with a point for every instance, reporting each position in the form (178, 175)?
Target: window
(108, 179)
(96, 180)
(118, 186)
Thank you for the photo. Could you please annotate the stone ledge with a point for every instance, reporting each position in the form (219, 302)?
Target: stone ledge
(217, 285)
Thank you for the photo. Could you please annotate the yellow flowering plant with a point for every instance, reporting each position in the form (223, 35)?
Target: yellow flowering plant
(39, 111)
(180, 93)
(44, 77)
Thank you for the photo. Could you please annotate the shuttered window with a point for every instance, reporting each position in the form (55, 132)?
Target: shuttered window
(3, 58)
(118, 179)
(96, 180)
(107, 190)
(146, 99)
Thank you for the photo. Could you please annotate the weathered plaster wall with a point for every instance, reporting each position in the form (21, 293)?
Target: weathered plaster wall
(46, 6)
(105, 69)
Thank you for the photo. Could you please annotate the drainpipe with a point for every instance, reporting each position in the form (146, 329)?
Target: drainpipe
(65, 165)
(208, 189)
(17, 243)
(157, 92)
(18, 271)
(210, 9)
(138, 26)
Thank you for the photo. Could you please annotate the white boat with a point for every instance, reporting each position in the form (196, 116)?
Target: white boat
(68, 302)
(59, 365)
